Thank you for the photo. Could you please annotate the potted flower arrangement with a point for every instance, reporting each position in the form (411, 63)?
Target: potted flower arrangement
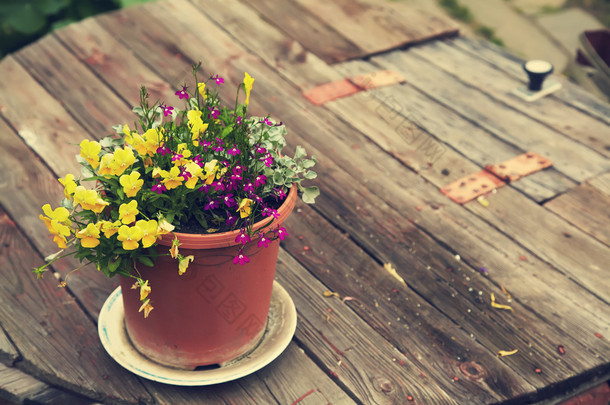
(187, 209)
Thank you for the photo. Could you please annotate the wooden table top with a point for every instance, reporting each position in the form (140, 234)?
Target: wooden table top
(426, 333)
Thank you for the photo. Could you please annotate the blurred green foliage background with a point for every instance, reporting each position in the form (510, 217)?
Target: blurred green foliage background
(24, 21)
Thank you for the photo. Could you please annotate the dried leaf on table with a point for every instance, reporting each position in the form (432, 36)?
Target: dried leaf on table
(503, 353)
(499, 306)
(390, 269)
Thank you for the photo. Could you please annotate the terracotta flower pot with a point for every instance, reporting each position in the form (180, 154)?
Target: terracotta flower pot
(216, 311)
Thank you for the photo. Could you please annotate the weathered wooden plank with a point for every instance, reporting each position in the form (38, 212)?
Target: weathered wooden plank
(586, 208)
(569, 157)
(571, 94)
(39, 119)
(382, 116)
(379, 27)
(405, 123)
(54, 396)
(550, 111)
(601, 183)
(363, 361)
(57, 340)
(221, 394)
(83, 95)
(8, 352)
(459, 292)
(526, 231)
(314, 35)
(15, 385)
(305, 384)
(90, 43)
(28, 184)
(282, 382)
(284, 54)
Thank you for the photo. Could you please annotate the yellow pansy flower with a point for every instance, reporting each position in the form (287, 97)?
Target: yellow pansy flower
(130, 236)
(195, 171)
(90, 236)
(149, 230)
(171, 179)
(59, 214)
(244, 207)
(128, 212)
(164, 227)
(105, 165)
(123, 158)
(137, 142)
(61, 241)
(90, 151)
(69, 185)
(131, 183)
(89, 199)
(196, 123)
(173, 250)
(201, 88)
(153, 138)
(248, 81)
(144, 290)
(183, 264)
(146, 307)
(210, 171)
(110, 228)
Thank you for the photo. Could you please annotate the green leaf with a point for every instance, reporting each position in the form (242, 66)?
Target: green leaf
(226, 131)
(114, 265)
(52, 6)
(146, 261)
(127, 3)
(278, 178)
(299, 153)
(310, 194)
(67, 204)
(311, 175)
(308, 163)
(27, 19)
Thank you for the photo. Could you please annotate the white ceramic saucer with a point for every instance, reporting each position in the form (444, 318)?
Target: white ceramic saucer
(281, 324)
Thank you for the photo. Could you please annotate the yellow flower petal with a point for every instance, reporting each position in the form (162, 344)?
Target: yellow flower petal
(248, 81)
(183, 264)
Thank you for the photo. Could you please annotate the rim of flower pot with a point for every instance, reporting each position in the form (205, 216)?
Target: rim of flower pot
(225, 239)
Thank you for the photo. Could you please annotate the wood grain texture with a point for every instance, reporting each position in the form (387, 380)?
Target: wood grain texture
(571, 158)
(387, 117)
(39, 119)
(95, 106)
(27, 185)
(15, 385)
(377, 28)
(296, 22)
(571, 94)
(8, 352)
(601, 183)
(370, 366)
(575, 124)
(283, 53)
(38, 324)
(586, 208)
